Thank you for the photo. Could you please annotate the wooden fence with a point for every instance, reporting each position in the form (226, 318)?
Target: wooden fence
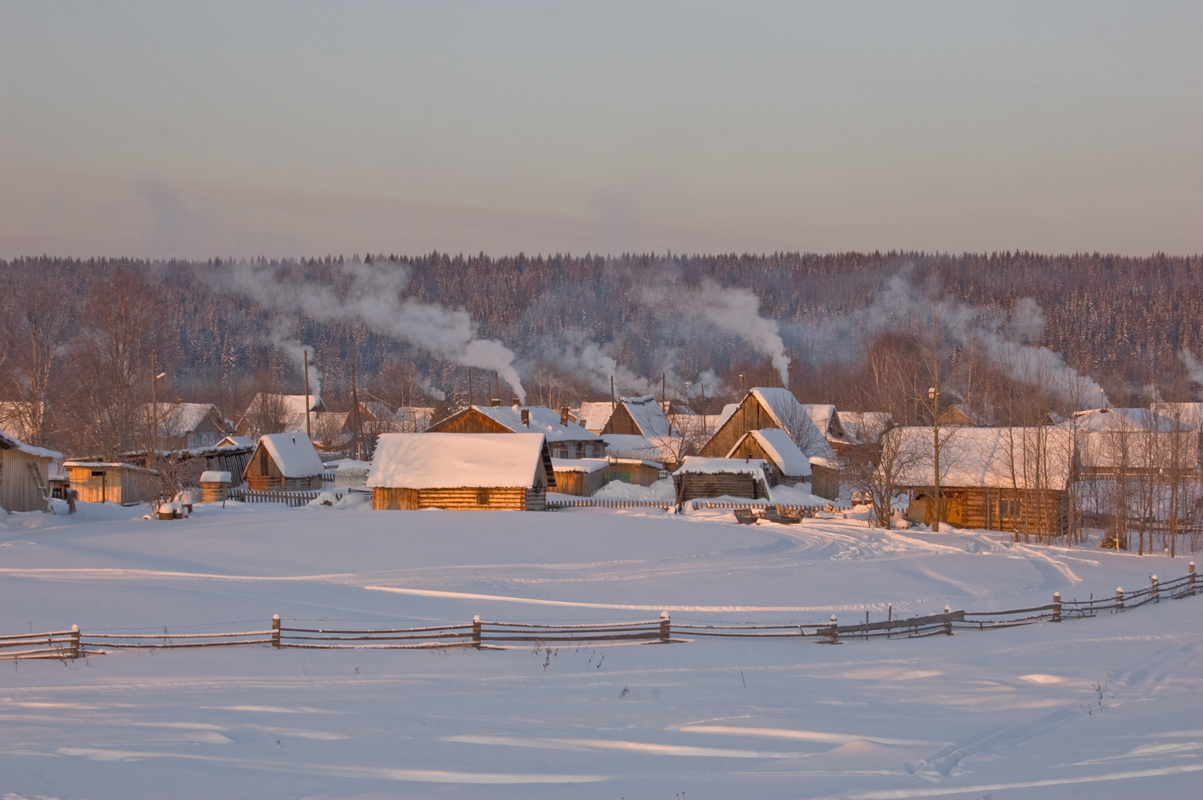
(291, 499)
(601, 502)
(494, 635)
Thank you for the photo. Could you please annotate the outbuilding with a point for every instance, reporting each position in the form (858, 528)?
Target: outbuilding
(461, 471)
(24, 475)
(721, 477)
(113, 482)
(285, 461)
(582, 477)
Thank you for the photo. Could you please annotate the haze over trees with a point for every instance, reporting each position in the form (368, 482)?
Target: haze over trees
(78, 335)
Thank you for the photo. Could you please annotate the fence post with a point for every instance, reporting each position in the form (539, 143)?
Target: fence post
(948, 620)
(833, 634)
(665, 627)
(1056, 606)
(1156, 589)
(1191, 577)
(476, 631)
(276, 631)
(75, 641)
(889, 619)
(1119, 598)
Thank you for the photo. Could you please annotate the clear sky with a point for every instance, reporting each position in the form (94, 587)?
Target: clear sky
(243, 129)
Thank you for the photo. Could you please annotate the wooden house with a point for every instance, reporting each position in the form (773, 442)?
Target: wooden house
(461, 471)
(701, 477)
(186, 425)
(113, 482)
(827, 421)
(639, 416)
(775, 447)
(1005, 479)
(274, 413)
(285, 461)
(582, 477)
(564, 437)
(764, 408)
(24, 475)
(959, 415)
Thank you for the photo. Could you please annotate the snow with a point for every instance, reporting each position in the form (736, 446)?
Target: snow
(782, 451)
(714, 466)
(1102, 707)
(294, 454)
(594, 416)
(215, 476)
(865, 427)
(794, 417)
(798, 495)
(649, 417)
(661, 491)
(236, 441)
(106, 465)
(177, 419)
(626, 445)
(8, 442)
(542, 420)
(988, 457)
(579, 464)
(452, 460)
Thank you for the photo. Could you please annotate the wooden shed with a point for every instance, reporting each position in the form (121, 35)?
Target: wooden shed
(579, 476)
(285, 461)
(721, 477)
(24, 475)
(639, 471)
(461, 471)
(113, 482)
(825, 478)
(1003, 479)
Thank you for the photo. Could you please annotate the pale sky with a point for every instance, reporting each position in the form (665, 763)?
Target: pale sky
(241, 129)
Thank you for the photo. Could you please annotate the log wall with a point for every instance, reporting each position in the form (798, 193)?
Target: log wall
(462, 498)
(691, 485)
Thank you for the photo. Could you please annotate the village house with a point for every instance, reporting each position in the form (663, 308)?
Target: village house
(1003, 479)
(461, 471)
(1112, 441)
(564, 438)
(186, 425)
(775, 446)
(827, 421)
(114, 482)
(764, 408)
(700, 477)
(286, 461)
(24, 475)
(278, 413)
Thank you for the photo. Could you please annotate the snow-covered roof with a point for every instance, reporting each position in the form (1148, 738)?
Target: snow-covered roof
(8, 442)
(1133, 438)
(349, 466)
(987, 458)
(628, 445)
(107, 465)
(178, 419)
(648, 415)
(822, 415)
(454, 460)
(1105, 420)
(542, 420)
(579, 464)
(728, 411)
(825, 463)
(794, 417)
(1187, 413)
(781, 450)
(236, 441)
(594, 416)
(293, 406)
(294, 454)
(714, 466)
(215, 476)
(865, 427)
(417, 417)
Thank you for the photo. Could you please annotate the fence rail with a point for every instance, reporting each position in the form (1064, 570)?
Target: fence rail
(601, 502)
(493, 634)
(294, 499)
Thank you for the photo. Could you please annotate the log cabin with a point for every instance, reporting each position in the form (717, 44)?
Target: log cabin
(284, 461)
(478, 471)
(1003, 479)
(581, 477)
(699, 477)
(564, 438)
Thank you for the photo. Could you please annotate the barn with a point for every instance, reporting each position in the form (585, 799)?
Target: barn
(461, 471)
(285, 461)
(721, 477)
(24, 475)
(564, 437)
(1003, 479)
(113, 482)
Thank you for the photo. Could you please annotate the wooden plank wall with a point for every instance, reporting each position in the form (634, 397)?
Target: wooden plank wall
(622, 423)
(638, 474)
(750, 416)
(18, 490)
(1042, 512)
(691, 485)
(504, 498)
(825, 482)
(581, 484)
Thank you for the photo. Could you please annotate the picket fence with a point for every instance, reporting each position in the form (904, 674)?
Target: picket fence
(482, 634)
(696, 505)
(294, 499)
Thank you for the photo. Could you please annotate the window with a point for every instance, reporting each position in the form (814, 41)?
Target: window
(1009, 508)
(482, 497)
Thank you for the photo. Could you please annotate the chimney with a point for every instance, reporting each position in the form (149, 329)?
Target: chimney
(526, 417)
(563, 415)
(495, 402)
(515, 404)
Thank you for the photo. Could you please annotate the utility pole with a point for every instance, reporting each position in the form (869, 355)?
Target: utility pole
(613, 402)
(496, 385)
(356, 420)
(469, 387)
(308, 428)
(154, 405)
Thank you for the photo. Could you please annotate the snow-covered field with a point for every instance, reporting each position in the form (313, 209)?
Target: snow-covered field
(1104, 707)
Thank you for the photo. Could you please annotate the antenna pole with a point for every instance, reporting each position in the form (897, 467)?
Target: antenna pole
(613, 402)
(308, 428)
(469, 387)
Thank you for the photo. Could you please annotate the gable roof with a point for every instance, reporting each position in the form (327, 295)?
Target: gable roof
(542, 420)
(628, 445)
(594, 416)
(178, 419)
(988, 458)
(8, 442)
(866, 427)
(715, 466)
(795, 418)
(293, 453)
(780, 449)
(648, 416)
(454, 460)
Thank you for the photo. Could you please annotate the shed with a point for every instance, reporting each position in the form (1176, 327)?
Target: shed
(778, 449)
(24, 475)
(825, 478)
(564, 437)
(1004, 479)
(721, 477)
(579, 476)
(113, 482)
(215, 486)
(663, 451)
(286, 461)
(461, 471)
(638, 471)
